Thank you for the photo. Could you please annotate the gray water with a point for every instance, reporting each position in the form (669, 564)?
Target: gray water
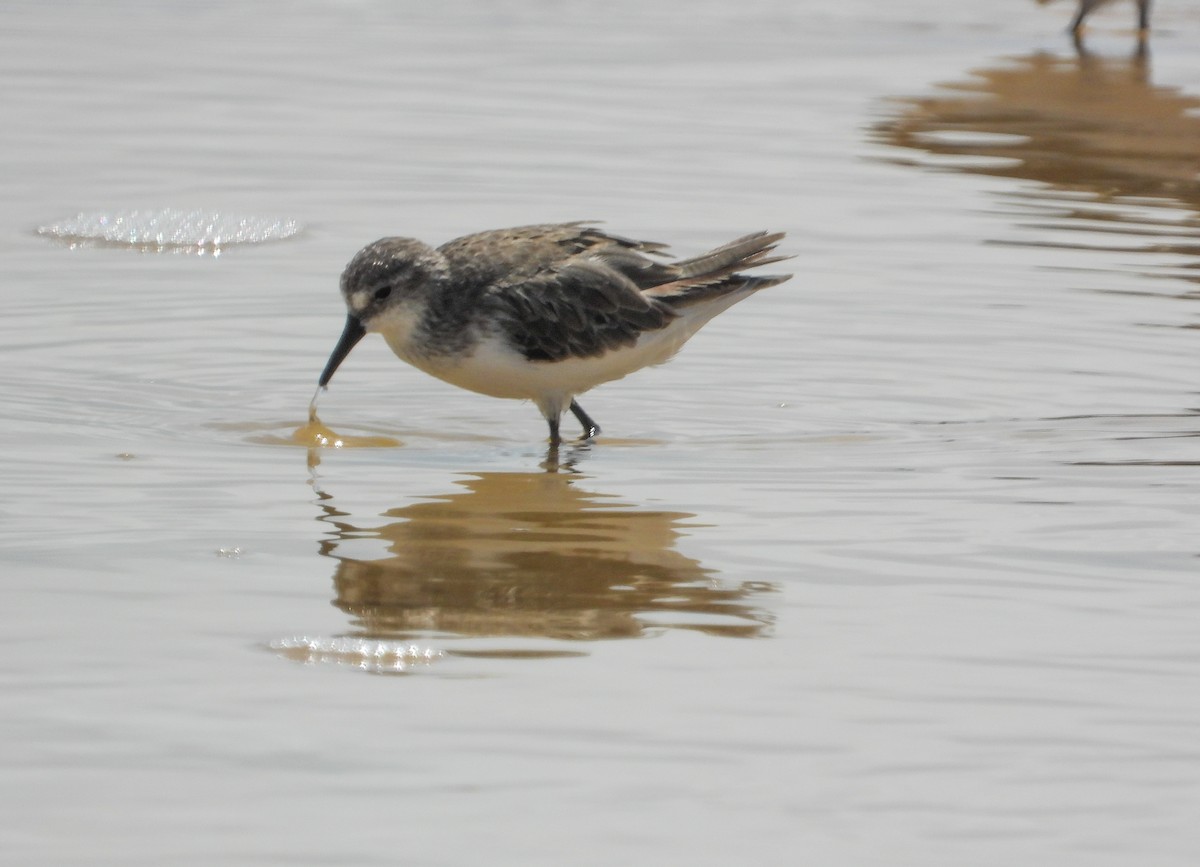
(895, 564)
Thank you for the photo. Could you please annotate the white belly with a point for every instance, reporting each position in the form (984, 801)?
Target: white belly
(494, 368)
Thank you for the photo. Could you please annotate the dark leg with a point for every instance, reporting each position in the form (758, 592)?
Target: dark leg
(1085, 8)
(555, 439)
(590, 428)
(1143, 17)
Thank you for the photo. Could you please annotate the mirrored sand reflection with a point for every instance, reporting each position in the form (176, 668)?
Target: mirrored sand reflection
(1110, 147)
(532, 555)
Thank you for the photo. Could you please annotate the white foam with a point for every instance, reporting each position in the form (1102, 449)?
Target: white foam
(377, 656)
(170, 228)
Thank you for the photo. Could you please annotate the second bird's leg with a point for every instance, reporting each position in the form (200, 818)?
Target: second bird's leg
(1085, 6)
(590, 428)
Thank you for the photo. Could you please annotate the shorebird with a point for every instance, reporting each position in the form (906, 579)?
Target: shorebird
(541, 313)
(1086, 7)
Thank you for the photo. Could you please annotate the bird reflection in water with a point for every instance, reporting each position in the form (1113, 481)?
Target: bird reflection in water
(530, 555)
(1115, 156)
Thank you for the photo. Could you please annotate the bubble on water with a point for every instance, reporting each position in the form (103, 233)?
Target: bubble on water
(377, 656)
(169, 229)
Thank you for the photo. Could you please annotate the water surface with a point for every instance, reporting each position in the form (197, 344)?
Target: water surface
(894, 564)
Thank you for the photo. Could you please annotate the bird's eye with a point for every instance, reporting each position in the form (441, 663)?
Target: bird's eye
(382, 292)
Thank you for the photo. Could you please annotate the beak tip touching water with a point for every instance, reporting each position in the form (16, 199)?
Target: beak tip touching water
(351, 334)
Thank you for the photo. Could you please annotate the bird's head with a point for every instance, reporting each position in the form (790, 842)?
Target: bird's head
(379, 282)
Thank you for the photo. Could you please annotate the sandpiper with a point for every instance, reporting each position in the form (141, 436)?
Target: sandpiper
(541, 313)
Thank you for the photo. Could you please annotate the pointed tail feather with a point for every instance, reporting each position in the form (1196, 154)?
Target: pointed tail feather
(745, 252)
(717, 273)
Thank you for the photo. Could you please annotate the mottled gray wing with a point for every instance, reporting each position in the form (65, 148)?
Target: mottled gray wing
(524, 252)
(583, 308)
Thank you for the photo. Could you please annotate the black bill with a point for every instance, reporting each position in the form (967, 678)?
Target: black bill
(351, 334)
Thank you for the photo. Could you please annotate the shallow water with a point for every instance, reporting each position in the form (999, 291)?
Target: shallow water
(896, 563)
